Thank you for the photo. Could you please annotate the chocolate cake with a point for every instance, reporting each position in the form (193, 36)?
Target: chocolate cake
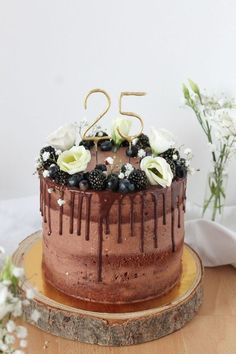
(111, 232)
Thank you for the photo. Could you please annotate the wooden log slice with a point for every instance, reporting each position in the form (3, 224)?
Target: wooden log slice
(114, 325)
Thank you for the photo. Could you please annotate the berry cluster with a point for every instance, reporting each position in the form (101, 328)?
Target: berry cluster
(178, 165)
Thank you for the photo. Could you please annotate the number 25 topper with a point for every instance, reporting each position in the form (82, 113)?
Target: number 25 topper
(129, 138)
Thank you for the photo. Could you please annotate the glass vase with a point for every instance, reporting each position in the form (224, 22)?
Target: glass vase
(215, 194)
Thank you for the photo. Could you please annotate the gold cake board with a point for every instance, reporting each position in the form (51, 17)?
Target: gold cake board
(105, 324)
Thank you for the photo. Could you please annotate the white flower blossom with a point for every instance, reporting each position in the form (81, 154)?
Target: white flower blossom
(18, 272)
(45, 173)
(45, 155)
(35, 316)
(109, 160)
(50, 190)
(21, 332)
(141, 153)
(63, 138)
(121, 175)
(188, 151)
(60, 202)
(3, 294)
(23, 343)
(10, 326)
(9, 339)
(175, 157)
(30, 294)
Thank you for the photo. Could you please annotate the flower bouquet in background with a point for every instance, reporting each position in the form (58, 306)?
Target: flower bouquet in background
(218, 121)
(11, 307)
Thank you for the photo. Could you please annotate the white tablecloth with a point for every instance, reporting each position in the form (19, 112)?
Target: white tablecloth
(215, 243)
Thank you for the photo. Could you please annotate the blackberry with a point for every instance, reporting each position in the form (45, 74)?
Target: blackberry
(172, 166)
(143, 142)
(139, 179)
(52, 157)
(168, 154)
(88, 144)
(97, 180)
(61, 177)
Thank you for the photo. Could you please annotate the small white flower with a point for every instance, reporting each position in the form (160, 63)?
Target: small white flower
(109, 160)
(18, 272)
(9, 339)
(50, 190)
(17, 309)
(212, 147)
(60, 202)
(121, 175)
(175, 157)
(187, 163)
(21, 332)
(45, 155)
(30, 294)
(35, 316)
(141, 153)
(23, 343)
(58, 152)
(191, 170)
(188, 151)
(11, 326)
(45, 173)
(128, 169)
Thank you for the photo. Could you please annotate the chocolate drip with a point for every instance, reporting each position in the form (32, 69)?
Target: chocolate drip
(184, 195)
(175, 193)
(80, 203)
(132, 215)
(142, 224)
(72, 206)
(49, 214)
(41, 197)
(107, 225)
(164, 207)
(178, 205)
(44, 203)
(88, 210)
(154, 198)
(61, 216)
(100, 241)
(119, 239)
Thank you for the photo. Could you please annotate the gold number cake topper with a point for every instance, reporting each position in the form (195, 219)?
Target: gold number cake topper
(96, 138)
(129, 138)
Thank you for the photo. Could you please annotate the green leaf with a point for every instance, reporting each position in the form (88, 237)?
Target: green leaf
(156, 172)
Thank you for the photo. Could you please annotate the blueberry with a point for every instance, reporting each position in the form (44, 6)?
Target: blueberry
(131, 187)
(125, 143)
(112, 183)
(106, 145)
(101, 167)
(83, 185)
(132, 152)
(74, 180)
(124, 186)
(53, 170)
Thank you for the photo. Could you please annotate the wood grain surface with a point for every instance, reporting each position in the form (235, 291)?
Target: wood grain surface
(212, 331)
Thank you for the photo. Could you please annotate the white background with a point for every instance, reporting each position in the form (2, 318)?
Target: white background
(53, 52)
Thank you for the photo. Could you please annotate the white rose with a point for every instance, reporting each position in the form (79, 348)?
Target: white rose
(161, 140)
(158, 171)
(63, 138)
(74, 160)
(122, 124)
